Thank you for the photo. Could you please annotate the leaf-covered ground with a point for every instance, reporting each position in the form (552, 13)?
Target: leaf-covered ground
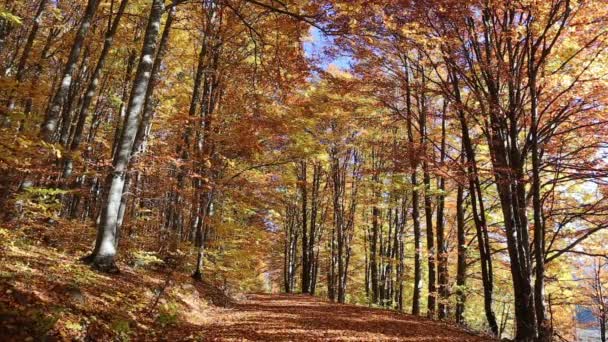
(299, 317)
(47, 295)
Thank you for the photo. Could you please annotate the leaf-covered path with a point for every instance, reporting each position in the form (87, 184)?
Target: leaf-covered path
(305, 318)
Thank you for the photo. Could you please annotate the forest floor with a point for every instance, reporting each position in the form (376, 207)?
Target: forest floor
(264, 317)
(46, 294)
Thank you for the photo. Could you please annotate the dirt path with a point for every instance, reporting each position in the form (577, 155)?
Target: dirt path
(304, 318)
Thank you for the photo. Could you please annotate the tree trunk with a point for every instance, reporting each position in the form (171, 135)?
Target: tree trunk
(461, 272)
(442, 248)
(103, 255)
(94, 81)
(415, 202)
(544, 328)
(478, 211)
(603, 327)
(49, 127)
(304, 213)
(314, 228)
(373, 260)
(428, 211)
(201, 235)
(149, 104)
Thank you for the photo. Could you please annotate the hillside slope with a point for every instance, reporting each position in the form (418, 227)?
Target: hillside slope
(47, 295)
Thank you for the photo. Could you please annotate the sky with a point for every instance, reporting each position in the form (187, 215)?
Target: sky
(315, 48)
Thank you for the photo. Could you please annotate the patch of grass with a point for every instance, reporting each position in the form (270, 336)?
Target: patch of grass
(145, 259)
(122, 329)
(168, 314)
(43, 322)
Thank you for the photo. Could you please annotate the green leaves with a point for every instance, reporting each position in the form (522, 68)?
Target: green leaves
(7, 16)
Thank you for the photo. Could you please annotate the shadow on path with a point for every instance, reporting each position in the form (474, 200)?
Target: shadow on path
(305, 318)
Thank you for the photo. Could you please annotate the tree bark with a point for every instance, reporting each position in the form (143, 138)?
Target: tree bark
(478, 211)
(150, 104)
(104, 252)
(442, 248)
(304, 213)
(94, 80)
(314, 227)
(415, 199)
(544, 328)
(461, 272)
(428, 209)
(49, 127)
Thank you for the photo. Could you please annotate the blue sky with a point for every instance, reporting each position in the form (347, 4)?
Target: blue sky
(317, 46)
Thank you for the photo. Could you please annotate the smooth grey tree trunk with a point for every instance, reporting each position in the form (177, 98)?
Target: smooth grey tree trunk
(150, 103)
(49, 126)
(148, 110)
(103, 255)
(94, 81)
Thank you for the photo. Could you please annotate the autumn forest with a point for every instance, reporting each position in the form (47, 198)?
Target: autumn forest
(303, 170)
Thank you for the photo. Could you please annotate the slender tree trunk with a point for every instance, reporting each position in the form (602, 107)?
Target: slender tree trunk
(428, 211)
(70, 99)
(305, 248)
(201, 234)
(331, 267)
(415, 201)
(49, 126)
(103, 255)
(544, 328)
(94, 80)
(150, 103)
(442, 248)
(401, 253)
(336, 248)
(288, 256)
(478, 211)
(340, 231)
(603, 325)
(290, 248)
(373, 261)
(119, 118)
(37, 71)
(461, 272)
(314, 229)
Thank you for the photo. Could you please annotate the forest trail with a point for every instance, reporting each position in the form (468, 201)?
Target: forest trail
(47, 294)
(283, 317)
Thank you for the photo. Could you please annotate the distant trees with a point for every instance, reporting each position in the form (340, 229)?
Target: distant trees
(484, 72)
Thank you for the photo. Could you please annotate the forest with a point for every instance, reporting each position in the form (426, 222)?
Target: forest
(303, 170)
